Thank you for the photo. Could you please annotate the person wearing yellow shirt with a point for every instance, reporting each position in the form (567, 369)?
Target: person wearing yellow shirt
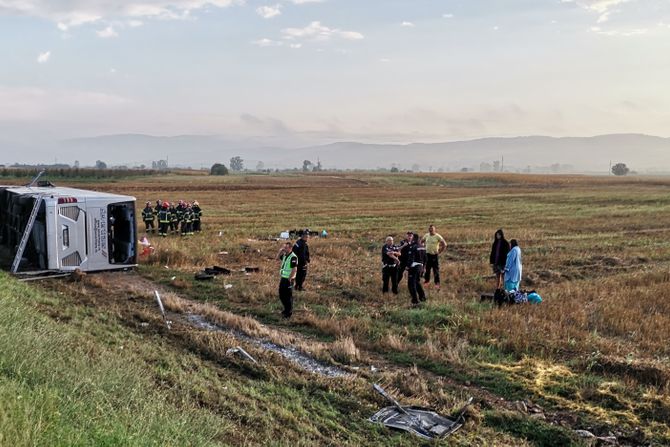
(435, 245)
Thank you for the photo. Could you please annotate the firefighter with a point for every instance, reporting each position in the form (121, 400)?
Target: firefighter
(288, 272)
(197, 214)
(174, 225)
(187, 221)
(148, 217)
(158, 207)
(301, 250)
(181, 207)
(164, 219)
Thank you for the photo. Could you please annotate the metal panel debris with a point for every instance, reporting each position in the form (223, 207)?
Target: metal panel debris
(420, 421)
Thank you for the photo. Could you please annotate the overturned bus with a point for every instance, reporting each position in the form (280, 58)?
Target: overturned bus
(47, 229)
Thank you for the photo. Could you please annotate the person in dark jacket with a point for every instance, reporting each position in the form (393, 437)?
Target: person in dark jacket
(390, 264)
(416, 261)
(174, 225)
(180, 208)
(148, 217)
(197, 215)
(403, 248)
(498, 257)
(164, 219)
(301, 250)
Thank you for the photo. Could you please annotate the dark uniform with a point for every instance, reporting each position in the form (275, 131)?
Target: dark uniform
(197, 214)
(174, 225)
(179, 211)
(187, 221)
(389, 269)
(301, 250)
(416, 259)
(148, 217)
(288, 263)
(404, 252)
(163, 221)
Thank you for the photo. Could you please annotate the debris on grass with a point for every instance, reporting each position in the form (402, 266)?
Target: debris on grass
(203, 276)
(168, 323)
(296, 356)
(241, 352)
(420, 421)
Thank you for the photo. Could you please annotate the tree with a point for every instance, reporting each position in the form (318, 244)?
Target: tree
(306, 165)
(496, 166)
(394, 169)
(237, 164)
(218, 169)
(260, 166)
(317, 167)
(620, 169)
(99, 164)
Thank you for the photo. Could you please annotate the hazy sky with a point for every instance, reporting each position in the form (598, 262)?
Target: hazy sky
(391, 70)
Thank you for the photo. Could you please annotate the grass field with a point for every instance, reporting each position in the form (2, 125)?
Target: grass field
(593, 356)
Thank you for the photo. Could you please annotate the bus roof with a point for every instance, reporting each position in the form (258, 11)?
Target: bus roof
(60, 191)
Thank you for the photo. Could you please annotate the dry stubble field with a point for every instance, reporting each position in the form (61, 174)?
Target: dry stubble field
(594, 355)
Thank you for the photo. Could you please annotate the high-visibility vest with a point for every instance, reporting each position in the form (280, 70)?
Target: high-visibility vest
(148, 213)
(286, 268)
(164, 216)
(188, 215)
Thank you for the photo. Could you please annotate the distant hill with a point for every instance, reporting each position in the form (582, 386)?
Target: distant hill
(585, 154)
(640, 152)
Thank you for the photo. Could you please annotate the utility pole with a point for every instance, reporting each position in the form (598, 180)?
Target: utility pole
(502, 163)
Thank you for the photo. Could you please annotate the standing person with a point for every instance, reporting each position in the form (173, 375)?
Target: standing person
(163, 219)
(180, 208)
(288, 272)
(390, 264)
(174, 225)
(435, 245)
(159, 206)
(301, 250)
(404, 250)
(513, 267)
(187, 221)
(498, 257)
(415, 265)
(197, 214)
(148, 217)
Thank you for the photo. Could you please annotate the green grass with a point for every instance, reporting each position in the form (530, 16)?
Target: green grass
(539, 433)
(58, 388)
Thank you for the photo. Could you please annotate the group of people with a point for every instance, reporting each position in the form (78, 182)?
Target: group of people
(416, 255)
(419, 257)
(183, 218)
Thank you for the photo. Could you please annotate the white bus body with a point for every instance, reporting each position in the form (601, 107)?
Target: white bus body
(74, 229)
